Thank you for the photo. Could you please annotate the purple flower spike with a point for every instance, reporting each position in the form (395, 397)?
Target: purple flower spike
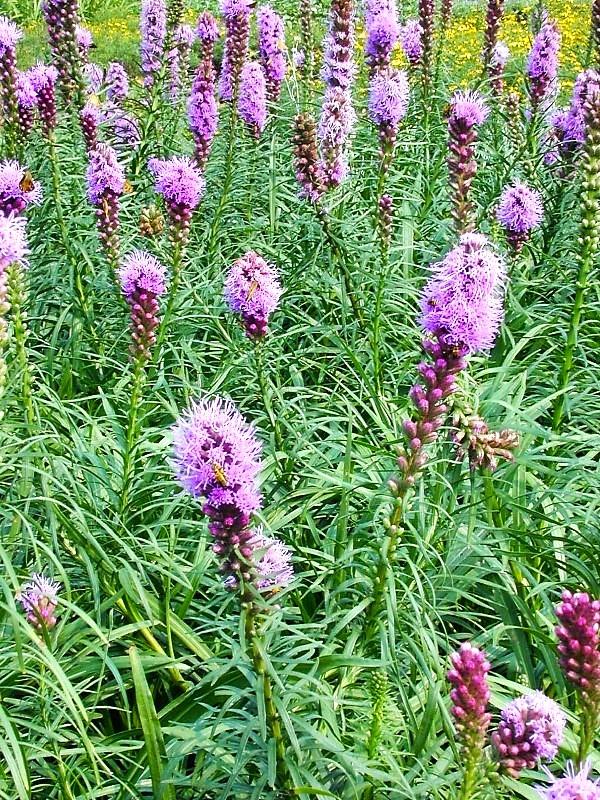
(462, 303)
(271, 48)
(542, 66)
(579, 646)
(470, 696)
(26, 104)
(39, 598)
(411, 39)
(10, 35)
(272, 561)
(388, 99)
(217, 459)
(252, 102)
(105, 185)
(183, 39)
(117, 82)
(335, 126)
(306, 158)
(84, 40)
(531, 729)
(236, 14)
(89, 119)
(43, 80)
(339, 69)
(13, 242)
(143, 281)
(153, 25)
(61, 17)
(499, 57)
(573, 786)
(570, 125)
(207, 29)
(519, 212)
(426, 20)
(181, 184)
(252, 289)
(383, 32)
(17, 189)
(202, 109)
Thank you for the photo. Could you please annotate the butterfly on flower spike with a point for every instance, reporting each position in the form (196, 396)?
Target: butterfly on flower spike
(26, 183)
(251, 290)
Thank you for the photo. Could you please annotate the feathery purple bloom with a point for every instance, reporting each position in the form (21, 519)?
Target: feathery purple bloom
(26, 103)
(411, 39)
(383, 32)
(84, 40)
(572, 786)
(104, 174)
(178, 58)
(61, 17)
(570, 124)
(14, 198)
(542, 65)
(271, 47)
(117, 82)
(39, 598)
(470, 696)
(252, 289)
(207, 29)
(272, 561)
(469, 108)
(202, 109)
(335, 126)
(252, 101)
(89, 119)
(236, 14)
(181, 184)
(531, 729)
(93, 76)
(153, 25)
(519, 211)
(143, 281)
(462, 303)
(43, 79)
(13, 241)
(388, 97)
(10, 36)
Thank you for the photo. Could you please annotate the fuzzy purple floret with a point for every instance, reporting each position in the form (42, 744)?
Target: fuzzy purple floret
(542, 63)
(388, 97)
(520, 209)
(13, 241)
(411, 40)
(252, 101)
(93, 75)
(26, 94)
(570, 123)
(339, 68)
(236, 14)
(39, 598)
(336, 123)
(207, 29)
(382, 34)
(153, 25)
(117, 82)
(10, 35)
(14, 199)
(271, 48)
(84, 39)
(142, 271)
(462, 303)
(469, 108)
(178, 180)
(574, 785)
(104, 174)
(272, 561)
(252, 289)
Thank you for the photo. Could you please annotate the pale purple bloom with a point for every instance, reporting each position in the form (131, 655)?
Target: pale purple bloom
(236, 14)
(39, 598)
(26, 103)
(13, 241)
(43, 79)
(298, 57)
(207, 29)
(411, 39)
(519, 211)
(531, 729)
(573, 786)
(179, 181)
(542, 64)
(10, 36)
(104, 174)
(339, 69)
(388, 97)
(271, 47)
(383, 32)
(470, 695)
(153, 26)
(570, 124)
(252, 101)
(335, 126)
(469, 108)
(500, 55)
(84, 40)
(14, 198)
(143, 281)
(462, 303)
(117, 82)
(252, 289)
(93, 75)
(272, 561)
(203, 111)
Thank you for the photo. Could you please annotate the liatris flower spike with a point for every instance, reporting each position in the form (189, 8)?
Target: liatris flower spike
(519, 211)
(531, 729)
(339, 69)
(10, 35)
(17, 188)
(203, 111)
(570, 124)
(271, 48)
(84, 40)
(272, 561)
(470, 696)
(388, 103)
(500, 56)
(252, 289)
(43, 79)
(117, 82)
(105, 185)
(575, 785)
(252, 102)
(61, 18)
(426, 21)
(207, 32)
(39, 598)
(383, 31)
(542, 66)
(143, 282)
(335, 126)
(181, 184)
(236, 14)
(411, 39)
(13, 250)
(492, 26)
(306, 158)
(26, 104)
(89, 119)
(178, 57)
(467, 112)
(217, 459)
(153, 25)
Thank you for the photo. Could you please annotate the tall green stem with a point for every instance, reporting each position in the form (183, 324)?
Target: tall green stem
(16, 297)
(227, 181)
(138, 380)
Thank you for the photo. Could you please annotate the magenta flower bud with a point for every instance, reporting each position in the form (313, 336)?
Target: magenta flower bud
(519, 212)
(89, 117)
(470, 697)
(530, 730)
(252, 289)
(43, 79)
(579, 646)
(39, 598)
(493, 18)
(410, 428)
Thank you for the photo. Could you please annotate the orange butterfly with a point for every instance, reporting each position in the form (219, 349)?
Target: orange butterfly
(26, 183)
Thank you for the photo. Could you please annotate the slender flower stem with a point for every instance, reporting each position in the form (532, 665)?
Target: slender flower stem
(176, 271)
(227, 181)
(16, 298)
(340, 256)
(284, 469)
(138, 380)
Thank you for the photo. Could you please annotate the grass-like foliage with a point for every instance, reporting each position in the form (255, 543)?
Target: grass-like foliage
(356, 327)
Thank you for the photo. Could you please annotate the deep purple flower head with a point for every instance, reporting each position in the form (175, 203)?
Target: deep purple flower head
(520, 209)
(13, 241)
(470, 695)
(17, 189)
(462, 303)
(203, 111)
(272, 561)
(104, 174)
(207, 29)
(411, 39)
(542, 63)
(469, 108)
(43, 79)
(252, 101)
(84, 40)
(234, 8)
(10, 35)
(142, 271)
(153, 24)
(271, 48)
(217, 455)
(383, 32)
(42, 76)
(117, 82)
(252, 289)
(39, 598)
(579, 644)
(388, 97)
(531, 729)
(89, 119)
(93, 75)
(573, 786)
(178, 180)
